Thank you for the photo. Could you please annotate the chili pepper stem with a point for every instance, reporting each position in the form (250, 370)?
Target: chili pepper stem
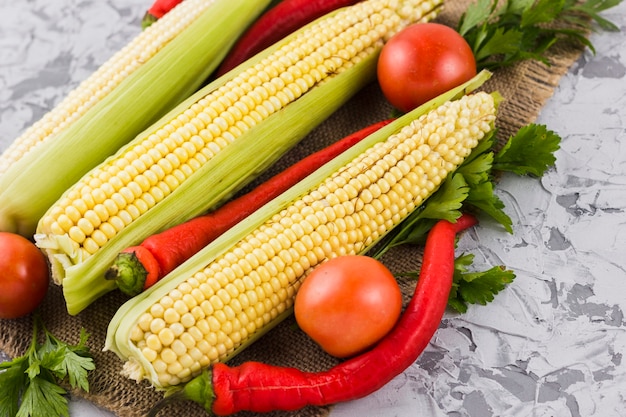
(147, 20)
(198, 390)
(128, 273)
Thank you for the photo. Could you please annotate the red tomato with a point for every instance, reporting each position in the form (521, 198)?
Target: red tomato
(24, 276)
(421, 62)
(348, 304)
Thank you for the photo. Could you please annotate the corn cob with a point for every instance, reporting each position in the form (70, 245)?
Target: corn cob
(155, 71)
(214, 142)
(244, 283)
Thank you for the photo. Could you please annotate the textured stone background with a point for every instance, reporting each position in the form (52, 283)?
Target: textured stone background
(552, 344)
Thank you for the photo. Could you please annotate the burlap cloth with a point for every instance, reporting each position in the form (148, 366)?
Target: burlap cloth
(525, 88)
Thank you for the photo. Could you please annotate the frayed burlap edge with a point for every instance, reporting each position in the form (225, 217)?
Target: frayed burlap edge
(525, 89)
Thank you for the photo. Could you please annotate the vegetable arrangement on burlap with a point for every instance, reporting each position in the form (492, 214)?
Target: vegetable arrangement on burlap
(522, 89)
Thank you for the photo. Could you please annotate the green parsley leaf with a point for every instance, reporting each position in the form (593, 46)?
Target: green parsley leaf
(30, 384)
(475, 15)
(72, 361)
(529, 152)
(77, 368)
(43, 398)
(541, 11)
(478, 169)
(592, 8)
(483, 198)
(52, 360)
(12, 380)
(445, 203)
(499, 42)
(476, 287)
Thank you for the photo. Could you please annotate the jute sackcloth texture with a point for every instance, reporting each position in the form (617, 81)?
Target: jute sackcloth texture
(525, 88)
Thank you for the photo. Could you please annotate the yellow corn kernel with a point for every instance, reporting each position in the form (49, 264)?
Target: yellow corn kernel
(194, 137)
(403, 165)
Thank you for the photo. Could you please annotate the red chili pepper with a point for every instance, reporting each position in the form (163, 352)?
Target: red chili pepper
(279, 21)
(157, 10)
(139, 267)
(258, 387)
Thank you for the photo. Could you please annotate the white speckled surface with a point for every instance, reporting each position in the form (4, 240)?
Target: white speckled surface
(552, 344)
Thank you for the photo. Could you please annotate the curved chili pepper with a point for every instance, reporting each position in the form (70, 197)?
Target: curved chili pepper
(279, 21)
(258, 387)
(139, 267)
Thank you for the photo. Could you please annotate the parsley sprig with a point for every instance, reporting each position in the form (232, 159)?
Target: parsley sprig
(472, 187)
(503, 33)
(476, 287)
(31, 384)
